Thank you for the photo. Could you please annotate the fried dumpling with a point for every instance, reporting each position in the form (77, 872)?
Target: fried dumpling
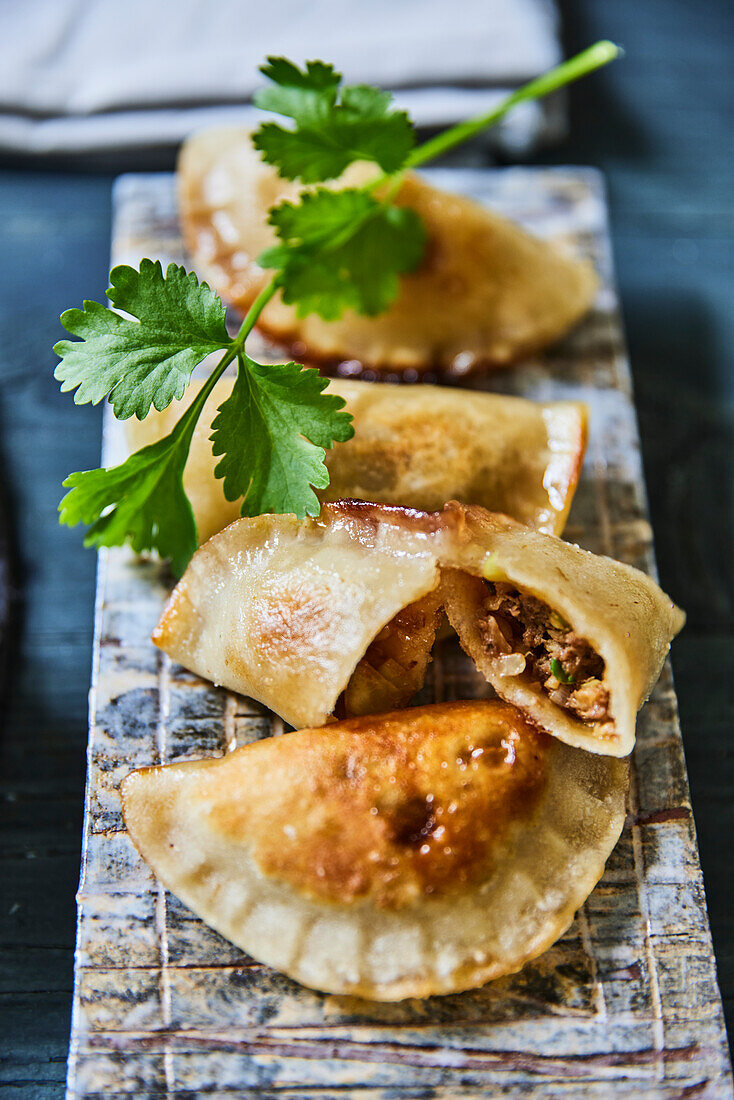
(486, 293)
(419, 852)
(338, 614)
(417, 446)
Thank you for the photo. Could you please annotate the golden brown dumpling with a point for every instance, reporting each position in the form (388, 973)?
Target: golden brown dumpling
(312, 617)
(486, 293)
(420, 852)
(417, 446)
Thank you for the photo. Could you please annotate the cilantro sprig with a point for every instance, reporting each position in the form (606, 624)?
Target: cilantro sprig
(345, 249)
(142, 501)
(271, 430)
(337, 249)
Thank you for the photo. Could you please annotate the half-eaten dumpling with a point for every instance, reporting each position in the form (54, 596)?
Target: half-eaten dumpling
(337, 615)
(486, 293)
(420, 852)
(417, 446)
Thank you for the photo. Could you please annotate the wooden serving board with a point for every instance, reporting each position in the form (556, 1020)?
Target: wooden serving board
(626, 1003)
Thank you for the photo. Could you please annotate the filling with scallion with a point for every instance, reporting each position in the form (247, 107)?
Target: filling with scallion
(531, 640)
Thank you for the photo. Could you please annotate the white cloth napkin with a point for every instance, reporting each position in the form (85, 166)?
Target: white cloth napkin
(80, 77)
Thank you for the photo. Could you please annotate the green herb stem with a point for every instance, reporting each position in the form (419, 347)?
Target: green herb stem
(601, 53)
(251, 317)
(188, 420)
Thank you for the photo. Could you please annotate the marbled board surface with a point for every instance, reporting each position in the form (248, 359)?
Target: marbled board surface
(625, 1003)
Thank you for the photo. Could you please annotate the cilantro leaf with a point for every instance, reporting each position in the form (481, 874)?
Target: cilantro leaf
(343, 250)
(143, 362)
(322, 218)
(271, 432)
(335, 125)
(300, 154)
(295, 93)
(316, 153)
(141, 502)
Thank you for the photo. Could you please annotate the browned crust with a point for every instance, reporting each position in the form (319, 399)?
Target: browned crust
(453, 517)
(386, 808)
(372, 515)
(345, 365)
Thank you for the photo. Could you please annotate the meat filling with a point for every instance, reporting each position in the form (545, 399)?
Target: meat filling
(571, 672)
(394, 667)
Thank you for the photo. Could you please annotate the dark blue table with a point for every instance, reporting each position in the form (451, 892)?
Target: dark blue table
(660, 124)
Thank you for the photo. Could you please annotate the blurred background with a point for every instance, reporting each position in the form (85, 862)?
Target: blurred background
(89, 90)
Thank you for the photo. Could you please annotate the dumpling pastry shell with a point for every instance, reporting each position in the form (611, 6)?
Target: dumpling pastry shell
(417, 446)
(288, 612)
(420, 852)
(486, 293)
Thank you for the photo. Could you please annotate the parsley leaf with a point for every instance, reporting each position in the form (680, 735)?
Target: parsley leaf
(559, 672)
(141, 501)
(343, 250)
(335, 125)
(143, 362)
(271, 432)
